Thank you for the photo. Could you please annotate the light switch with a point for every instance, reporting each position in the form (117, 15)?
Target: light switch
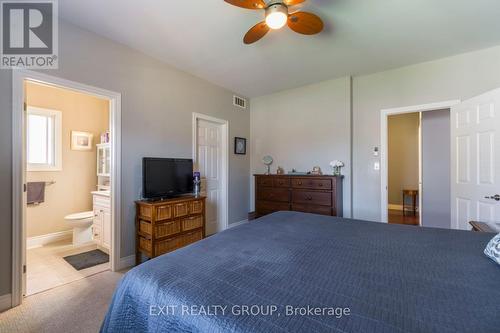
(376, 166)
(375, 152)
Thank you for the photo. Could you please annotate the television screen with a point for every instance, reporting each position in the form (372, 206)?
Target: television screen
(166, 177)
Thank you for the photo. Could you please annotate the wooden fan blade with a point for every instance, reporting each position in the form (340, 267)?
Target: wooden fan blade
(305, 23)
(248, 4)
(293, 2)
(257, 32)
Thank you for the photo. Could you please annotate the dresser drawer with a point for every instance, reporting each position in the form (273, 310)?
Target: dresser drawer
(265, 207)
(265, 181)
(181, 209)
(313, 209)
(196, 207)
(193, 222)
(273, 194)
(281, 182)
(167, 245)
(167, 229)
(308, 197)
(145, 211)
(191, 237)
(311, 183)
(163, 212)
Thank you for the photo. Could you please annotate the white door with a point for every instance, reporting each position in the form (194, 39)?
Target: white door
(475, 181)
(209, 162)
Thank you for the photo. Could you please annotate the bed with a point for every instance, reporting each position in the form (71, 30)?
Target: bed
(296, 272)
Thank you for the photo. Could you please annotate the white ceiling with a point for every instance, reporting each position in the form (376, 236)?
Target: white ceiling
(204, 37)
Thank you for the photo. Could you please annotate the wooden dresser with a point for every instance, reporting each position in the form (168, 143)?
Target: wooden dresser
(164, 226)
(310, 194)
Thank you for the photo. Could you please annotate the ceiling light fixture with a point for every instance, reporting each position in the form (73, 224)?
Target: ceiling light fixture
(276, 16)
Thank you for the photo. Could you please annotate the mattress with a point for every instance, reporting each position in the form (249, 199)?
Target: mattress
(296, 272)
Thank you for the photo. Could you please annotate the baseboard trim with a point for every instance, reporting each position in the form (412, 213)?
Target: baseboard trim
(232, 225)
(5, 302)
(127, 262)
(37, 241)
(398, 207)
(395, 207)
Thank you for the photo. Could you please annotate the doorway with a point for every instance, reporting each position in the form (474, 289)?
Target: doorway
(403, 168)
(31, 169)
(68, 222)
(210, 156)
(428, 164)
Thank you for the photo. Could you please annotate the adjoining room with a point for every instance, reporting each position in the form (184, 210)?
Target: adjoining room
(419, 165)
(68, 220)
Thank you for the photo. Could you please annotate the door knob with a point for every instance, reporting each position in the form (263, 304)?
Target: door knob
(496, 197)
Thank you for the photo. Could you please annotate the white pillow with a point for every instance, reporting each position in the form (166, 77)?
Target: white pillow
(493, 249)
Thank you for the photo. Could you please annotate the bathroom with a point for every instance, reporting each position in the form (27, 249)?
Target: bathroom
(68, 167)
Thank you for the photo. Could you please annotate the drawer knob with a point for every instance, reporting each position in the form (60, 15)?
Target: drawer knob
(320, 185)
(300, 183)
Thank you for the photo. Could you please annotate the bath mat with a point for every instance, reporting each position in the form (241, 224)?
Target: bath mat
(87, 259)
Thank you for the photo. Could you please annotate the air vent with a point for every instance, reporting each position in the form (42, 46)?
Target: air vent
(239, 102)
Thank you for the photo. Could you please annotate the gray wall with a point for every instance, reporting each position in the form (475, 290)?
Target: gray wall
(157, 106)
(459, 77)
(436, 150)
(403, 155)
(302, 128)
(158, 101)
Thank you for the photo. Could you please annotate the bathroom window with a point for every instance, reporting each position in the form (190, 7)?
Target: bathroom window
(43, 138)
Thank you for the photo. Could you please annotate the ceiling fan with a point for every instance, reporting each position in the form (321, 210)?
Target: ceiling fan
(277, 13)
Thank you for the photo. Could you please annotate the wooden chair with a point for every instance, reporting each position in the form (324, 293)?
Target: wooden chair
(413, 194)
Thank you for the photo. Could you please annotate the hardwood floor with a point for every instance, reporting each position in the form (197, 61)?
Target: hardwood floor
(396, 217)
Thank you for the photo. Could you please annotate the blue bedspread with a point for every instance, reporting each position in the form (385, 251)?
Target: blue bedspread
(357, 276)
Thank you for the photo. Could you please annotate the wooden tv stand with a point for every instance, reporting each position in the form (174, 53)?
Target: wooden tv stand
(166, 225)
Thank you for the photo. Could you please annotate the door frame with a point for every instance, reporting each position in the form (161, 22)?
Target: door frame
(19, 76)
(225, 159)
(384, 144)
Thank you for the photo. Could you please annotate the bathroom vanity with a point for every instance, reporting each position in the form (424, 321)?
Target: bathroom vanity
(101, 229)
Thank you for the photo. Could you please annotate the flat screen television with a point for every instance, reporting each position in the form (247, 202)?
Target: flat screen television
(166, 177)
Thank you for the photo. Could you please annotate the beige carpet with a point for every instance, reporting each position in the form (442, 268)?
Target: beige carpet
(79, 306)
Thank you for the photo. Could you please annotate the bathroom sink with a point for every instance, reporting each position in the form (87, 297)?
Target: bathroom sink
(103, 193)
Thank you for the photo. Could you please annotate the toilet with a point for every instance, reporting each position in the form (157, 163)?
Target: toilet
(82, 226)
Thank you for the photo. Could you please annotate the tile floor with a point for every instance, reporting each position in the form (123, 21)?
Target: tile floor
(47, 269)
